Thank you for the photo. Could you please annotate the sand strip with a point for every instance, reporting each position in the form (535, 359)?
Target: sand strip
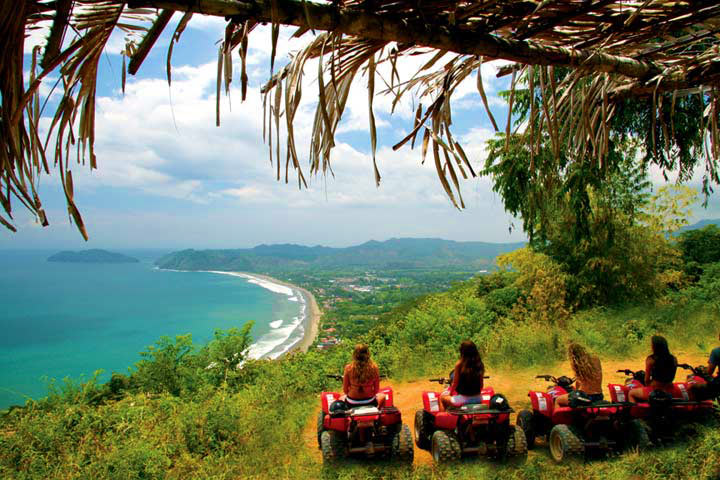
(312, 314)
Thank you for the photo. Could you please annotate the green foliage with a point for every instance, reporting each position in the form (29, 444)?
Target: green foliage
(669, 209)
(226, 352)
(701, 245)
(164, 365)
(173, 417)
(542, 282)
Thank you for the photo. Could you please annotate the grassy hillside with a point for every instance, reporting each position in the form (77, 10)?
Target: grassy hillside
(187, 412)
(394, 254)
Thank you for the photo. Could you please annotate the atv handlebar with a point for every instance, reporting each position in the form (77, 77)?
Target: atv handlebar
(626, 371)
(555, 380)
(699, 370)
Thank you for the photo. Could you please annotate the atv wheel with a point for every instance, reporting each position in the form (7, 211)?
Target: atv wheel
(525, 421)
(402, 445)
(320, 427)
(638, 435)
(564, 443)
(333, 446)
(516, 443)
(422, 430)
(445, 447)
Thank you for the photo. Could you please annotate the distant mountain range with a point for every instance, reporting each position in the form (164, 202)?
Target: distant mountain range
(91, 256)
(700, 224)
(396, 254)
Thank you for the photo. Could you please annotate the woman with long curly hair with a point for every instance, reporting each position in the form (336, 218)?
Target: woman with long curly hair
(660, 368)
(361, 379)
(467, 378)
(588, 374)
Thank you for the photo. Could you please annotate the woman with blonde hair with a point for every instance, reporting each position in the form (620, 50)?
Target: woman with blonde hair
(361, 379)
(588, 374)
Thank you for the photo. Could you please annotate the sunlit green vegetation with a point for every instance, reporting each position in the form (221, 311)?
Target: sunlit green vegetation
(189, 411)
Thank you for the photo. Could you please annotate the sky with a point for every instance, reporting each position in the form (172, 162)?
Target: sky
(169, 178)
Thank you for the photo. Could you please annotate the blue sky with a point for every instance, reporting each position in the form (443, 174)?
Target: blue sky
(182, 182)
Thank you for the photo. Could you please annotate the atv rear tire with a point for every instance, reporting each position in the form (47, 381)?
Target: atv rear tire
(525, 421)
(320, 427)
(333, 446)
(422, 430)
(402, 445)
(638, 435)
(564, 444)
(445, 447)
(516, 443)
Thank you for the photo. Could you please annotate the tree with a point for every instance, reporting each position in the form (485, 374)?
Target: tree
(542, 282)
(227, 352)
(163, 365)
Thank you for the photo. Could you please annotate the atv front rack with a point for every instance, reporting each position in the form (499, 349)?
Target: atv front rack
(484, 411)
(350, 412)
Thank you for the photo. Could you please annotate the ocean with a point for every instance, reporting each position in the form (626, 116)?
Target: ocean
(62, 320)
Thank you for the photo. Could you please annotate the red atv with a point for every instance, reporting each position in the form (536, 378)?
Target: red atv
(482, 428)
(368, 430)
(664, 413)
(577, 429)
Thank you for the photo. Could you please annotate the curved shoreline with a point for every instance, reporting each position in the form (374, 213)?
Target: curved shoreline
(312, 318)
(311, 322)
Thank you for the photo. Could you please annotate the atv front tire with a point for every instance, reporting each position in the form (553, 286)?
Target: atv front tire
(525, 421)
(638, 435)
(333, 446)
(564, 444)
(422, 430)
(402, 445)
(445, 447)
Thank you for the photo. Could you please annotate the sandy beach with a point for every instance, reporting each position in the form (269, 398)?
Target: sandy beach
(312, 318)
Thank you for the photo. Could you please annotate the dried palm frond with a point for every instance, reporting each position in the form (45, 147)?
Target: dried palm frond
(608, 51)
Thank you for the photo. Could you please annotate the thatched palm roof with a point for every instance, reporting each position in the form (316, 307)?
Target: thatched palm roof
(613, 50)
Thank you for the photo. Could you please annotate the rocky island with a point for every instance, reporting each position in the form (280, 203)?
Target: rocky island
(91, 256)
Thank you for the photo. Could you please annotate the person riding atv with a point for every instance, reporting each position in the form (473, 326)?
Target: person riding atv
(588, 374)
(711, 387)
(466, 379)
(361, 380)
(660, 369)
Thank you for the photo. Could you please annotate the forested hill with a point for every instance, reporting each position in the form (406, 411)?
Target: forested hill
(700, 224)
(396, 253)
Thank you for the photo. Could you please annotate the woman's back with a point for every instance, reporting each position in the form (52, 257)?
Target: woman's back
(664, 368)
(469, 381)
(358, 388)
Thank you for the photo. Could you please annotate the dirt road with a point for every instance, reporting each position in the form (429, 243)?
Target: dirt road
(513, 383)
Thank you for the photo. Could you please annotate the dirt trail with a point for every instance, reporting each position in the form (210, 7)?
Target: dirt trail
(513, 383)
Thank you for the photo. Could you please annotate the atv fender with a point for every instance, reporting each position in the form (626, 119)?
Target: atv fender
(542, 403)
(618, 393)
(327, 398)
(445, 421)
(431, 402)
(388, 391)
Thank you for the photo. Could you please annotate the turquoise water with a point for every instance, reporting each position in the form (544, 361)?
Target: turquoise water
(67, 320)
